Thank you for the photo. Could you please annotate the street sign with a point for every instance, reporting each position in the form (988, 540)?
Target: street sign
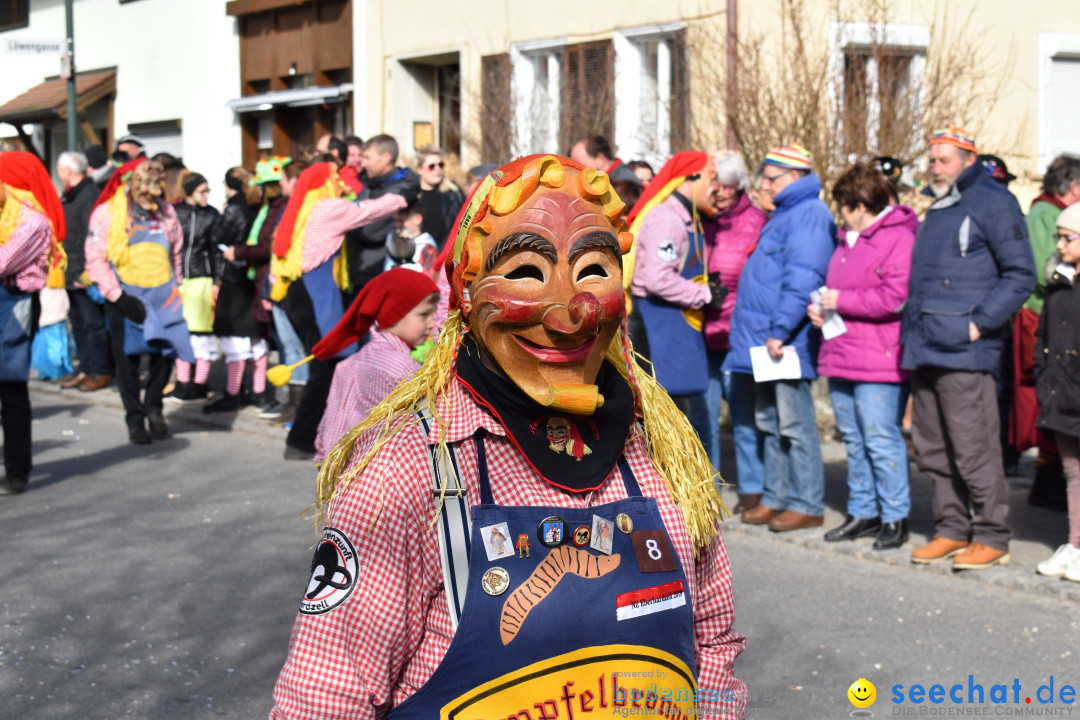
(35, 47)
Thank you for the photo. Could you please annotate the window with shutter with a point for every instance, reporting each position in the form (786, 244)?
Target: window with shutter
(588, 92)
(679, 107)
(14, 14)
(652, 92)
(495, 111)
(879, 68)
(1064, 106)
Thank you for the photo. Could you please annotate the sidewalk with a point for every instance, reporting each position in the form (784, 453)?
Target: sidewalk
(247, 420)
(1036, 532)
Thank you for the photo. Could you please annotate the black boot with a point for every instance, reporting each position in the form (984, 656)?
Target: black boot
(854, 528)
(892, 535)
(225, 403)
(159, 429)
(138, 434)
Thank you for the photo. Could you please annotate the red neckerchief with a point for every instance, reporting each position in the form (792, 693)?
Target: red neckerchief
(1045, 197)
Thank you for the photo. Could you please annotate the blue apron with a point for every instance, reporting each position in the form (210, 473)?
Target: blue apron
(15, 324)
(164, 329)
(561, 640)
(326, 300)
(676, 350)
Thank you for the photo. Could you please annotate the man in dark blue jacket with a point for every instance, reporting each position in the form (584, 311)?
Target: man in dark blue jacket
(971, 270)
(788, 263)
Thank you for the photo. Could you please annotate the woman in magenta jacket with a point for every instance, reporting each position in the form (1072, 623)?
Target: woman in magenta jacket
(867, 285)
(729, 240)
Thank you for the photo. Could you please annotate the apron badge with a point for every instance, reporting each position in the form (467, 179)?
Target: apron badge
(581, 535)
(625, 524)
(653, 551)
(523, 545)
(552, 531)
(602, 531)
(650, 600)
(497, 541)
(495, 581)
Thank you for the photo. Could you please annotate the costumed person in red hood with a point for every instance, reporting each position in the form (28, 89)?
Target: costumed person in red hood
(133, 253)
(32, 229)
(410, 611)
(665, 280)
(400, 305)
(310, 275)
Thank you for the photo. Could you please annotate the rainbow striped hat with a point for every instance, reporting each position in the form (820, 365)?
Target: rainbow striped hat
(952, 135)
(792, 157)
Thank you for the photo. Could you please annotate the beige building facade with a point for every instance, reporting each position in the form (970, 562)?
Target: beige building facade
(495, 79)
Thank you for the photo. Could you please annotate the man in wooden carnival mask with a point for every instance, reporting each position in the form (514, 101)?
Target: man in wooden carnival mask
(529, 419)
(537, 274)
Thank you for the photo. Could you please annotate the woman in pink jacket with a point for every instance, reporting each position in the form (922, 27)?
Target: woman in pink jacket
(867, 285)
(729, 240)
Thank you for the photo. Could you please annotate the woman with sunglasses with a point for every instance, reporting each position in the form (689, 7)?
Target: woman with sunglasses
(440, 199)
(1057, 379)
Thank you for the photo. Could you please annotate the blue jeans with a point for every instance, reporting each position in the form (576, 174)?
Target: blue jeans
(794, 473)
(738, 390)
(869, 415)
(292, 349)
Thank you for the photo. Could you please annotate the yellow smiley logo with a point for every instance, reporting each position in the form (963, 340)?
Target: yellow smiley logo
(862, 693)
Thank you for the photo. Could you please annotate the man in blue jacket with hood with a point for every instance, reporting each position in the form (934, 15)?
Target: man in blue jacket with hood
(789, 262)
(971, 270)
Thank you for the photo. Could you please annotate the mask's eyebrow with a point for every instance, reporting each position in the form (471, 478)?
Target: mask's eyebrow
(521, 241)
(598, 240)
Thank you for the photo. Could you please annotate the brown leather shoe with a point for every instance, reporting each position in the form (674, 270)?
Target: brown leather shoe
(940, 548)
(978, 557)
(75, 380)
(791, 520)
(747, 501)
(759, 515)
(96, 382)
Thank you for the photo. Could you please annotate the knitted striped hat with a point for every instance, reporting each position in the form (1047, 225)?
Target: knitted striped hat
(952, 135)
(792, 157)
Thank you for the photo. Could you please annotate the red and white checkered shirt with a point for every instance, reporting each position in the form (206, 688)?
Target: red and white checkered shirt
(384, 642)
(331, 219)
(360, 383)
(25, 255)
(100, 270)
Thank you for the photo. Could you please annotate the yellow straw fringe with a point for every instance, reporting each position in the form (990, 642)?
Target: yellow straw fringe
(291, 266)
(9, 221)
(119, 234)
(670, 440)
(9, 218)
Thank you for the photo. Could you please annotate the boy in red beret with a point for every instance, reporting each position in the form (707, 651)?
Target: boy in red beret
(401, 304)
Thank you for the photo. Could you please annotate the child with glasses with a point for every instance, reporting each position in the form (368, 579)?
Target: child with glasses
(1057, 379)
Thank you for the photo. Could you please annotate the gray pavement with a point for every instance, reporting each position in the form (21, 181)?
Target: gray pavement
(152, 581)
(162, 581)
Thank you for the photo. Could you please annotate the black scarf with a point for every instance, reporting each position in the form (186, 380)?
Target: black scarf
(571, 452)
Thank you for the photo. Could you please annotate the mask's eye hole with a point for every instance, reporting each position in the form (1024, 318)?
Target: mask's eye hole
(594, 270)
(525, 272)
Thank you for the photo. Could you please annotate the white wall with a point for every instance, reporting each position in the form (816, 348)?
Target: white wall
(175, 59)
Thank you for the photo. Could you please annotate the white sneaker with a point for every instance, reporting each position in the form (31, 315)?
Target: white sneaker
(1065, 558)
(1073, 571)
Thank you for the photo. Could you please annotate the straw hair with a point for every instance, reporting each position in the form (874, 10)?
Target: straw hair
(10, 217)
(670, 440)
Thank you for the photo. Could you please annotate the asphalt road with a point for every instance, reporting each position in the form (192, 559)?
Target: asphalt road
(161, 582)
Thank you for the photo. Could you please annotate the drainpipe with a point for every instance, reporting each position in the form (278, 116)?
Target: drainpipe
(72, 111)
(732, 69)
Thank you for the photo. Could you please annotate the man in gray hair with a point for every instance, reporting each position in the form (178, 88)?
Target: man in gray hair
(87, 317)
